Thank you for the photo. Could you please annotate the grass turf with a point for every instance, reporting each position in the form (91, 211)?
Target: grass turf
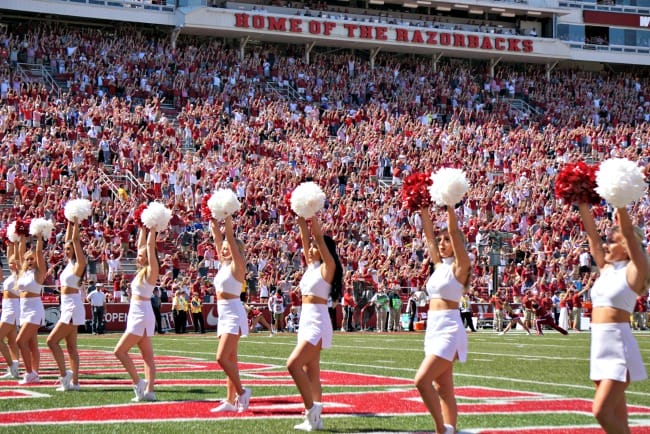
(551, 364)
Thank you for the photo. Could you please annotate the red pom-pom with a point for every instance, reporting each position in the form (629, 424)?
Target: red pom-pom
(576, 183)
(415, 191)
(206, 212)
(137, 214)
(22, 226)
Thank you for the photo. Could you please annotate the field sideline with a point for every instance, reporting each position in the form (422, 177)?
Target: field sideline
(513, 383)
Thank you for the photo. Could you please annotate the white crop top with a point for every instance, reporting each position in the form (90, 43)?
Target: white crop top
(612, 290)
(68, 278)
(27, 282)
(225, 282)
(443, 284)
(312, 282)
(141, 288)
(9, 285)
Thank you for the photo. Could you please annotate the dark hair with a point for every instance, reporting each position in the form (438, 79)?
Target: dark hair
(337, 282)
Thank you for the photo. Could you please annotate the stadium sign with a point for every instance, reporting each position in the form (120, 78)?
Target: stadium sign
(378, 33)
(616, 19)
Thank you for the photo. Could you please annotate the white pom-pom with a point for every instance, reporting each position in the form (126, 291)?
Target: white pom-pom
(41, 227)
(77, 208)
(307, 199)
(223, 203)
(156, 216)
(11, 233)
(620, 181)
(449, 186)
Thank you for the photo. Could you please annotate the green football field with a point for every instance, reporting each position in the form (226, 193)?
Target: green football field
(513, 383)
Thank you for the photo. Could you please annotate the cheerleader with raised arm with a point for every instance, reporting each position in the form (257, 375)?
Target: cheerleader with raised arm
(33, 269)
(73, 312)
(228, 284)
(141, 322)
(322, 279)
(446, 338)
(624, 275)
(10, 319)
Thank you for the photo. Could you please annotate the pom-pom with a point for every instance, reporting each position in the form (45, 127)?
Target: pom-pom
(449, 186)
(223, 203)
(415, 191)
(41, 227)
(307, 199)
(22, 226)
(137, 214)
(620, 181)
(576, 183)
(12, 235)
(206, 212)
(77, 208)
(156, 216)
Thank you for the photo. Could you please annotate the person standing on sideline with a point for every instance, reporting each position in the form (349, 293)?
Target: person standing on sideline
(445, 339)
(73, 312)
(466, 312)
(10, 315)
(179, 309)
(233, 319)
(97, 300)
(196, 308)
(615, 356)
(348, 311)
(140, 323)
(412, 310)
(276, 306)
(156, 303)
(32, 314)
(322, 279)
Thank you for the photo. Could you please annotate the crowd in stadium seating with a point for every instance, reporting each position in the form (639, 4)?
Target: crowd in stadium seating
(356, 131)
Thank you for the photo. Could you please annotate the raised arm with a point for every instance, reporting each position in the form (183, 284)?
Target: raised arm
(305, 237)
(142, 238)
(238, 260)
(429, 236)
(329, 265)
(595, 242)
(80, 266)
(41, 265)
(216, 235)
(152, 268)
(638, 269)
(463, 263)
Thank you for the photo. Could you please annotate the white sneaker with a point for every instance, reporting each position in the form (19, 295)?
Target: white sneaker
(71, 388)
(312, 422)
(140, 390)
(9, 374)
(66, 381)
(449, 429)
(149, 396)
(501, 333)
(14, 369)
(225, 406)
(243, 400)
(30, 378)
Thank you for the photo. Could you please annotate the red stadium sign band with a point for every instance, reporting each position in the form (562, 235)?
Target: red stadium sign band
(382, 33)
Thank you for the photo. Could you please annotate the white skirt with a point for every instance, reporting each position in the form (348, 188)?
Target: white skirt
(140, 319)
(233, 319)
(72, 310)
(445, 336)
(31, 311)
(10, 311)
(614, 353)
(315, 325)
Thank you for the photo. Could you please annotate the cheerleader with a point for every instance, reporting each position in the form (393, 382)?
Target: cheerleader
(10, 316)
(322, 279)
(233, 319)
(141, 322)
(33, 269)
(446, 339)
(73, 312)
